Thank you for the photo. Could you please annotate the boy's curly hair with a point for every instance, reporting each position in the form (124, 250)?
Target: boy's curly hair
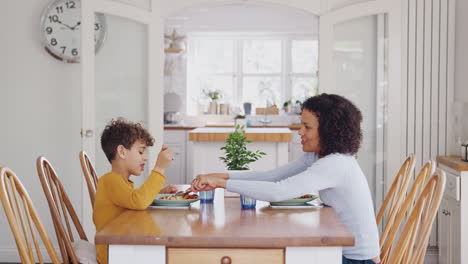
(122, 132)
(339, 123)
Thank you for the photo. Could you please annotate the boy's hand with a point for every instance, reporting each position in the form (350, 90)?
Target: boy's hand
(169, 189)
(165, 158)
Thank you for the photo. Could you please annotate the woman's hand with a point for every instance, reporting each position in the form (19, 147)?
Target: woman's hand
(169, 189)
(206, 182)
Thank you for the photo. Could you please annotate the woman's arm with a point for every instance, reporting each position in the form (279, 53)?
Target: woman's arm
(205, 182)
(325, 173)
(277, 174)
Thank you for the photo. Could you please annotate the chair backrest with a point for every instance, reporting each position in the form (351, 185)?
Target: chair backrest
(392, 227)
(90, 175)
(61, 210)
(397, 192)
(412, 244)
(23, 219)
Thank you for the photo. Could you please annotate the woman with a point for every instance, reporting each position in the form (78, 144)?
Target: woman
(330, 137)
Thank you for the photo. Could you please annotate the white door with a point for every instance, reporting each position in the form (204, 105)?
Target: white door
(360, 60)
(119, 80)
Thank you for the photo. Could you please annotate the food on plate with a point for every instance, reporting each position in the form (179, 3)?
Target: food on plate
(305, 196)
(179, 197)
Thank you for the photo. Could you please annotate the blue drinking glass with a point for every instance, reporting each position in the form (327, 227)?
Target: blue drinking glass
(247, 202)
(207, 196)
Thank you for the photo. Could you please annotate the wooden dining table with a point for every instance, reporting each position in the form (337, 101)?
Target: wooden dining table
(223, 232)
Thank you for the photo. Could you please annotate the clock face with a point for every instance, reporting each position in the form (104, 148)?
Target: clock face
(61, 30)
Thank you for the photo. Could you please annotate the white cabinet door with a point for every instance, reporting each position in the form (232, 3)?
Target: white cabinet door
(455, 219)
(122, 80)
(176, 140)
(449, 231)
(176, 172)
(444, 232)
(360, 60)
(295, 147)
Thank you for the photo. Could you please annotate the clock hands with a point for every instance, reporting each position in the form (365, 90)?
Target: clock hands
(77, 24)
(60, 22)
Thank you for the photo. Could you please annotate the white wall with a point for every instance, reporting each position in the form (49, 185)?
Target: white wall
(461, 51)
(39, 113)
(461, 67)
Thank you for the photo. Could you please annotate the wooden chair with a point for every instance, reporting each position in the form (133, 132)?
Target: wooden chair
(397, 192)
(23, 219)
(412, 244)
(90, 175)
(391, 229)
(61, 211)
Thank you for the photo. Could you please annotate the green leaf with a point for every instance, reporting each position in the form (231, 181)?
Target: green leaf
(236, 156)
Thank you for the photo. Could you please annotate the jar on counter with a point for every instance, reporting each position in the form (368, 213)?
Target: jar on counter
(464, 151)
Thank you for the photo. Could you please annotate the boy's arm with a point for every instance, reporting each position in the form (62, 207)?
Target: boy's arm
(125, 196)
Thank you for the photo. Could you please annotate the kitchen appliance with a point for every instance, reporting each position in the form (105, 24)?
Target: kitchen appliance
(172, 104)
(464, 151)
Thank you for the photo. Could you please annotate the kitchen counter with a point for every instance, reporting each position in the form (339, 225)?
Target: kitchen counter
(209, 141)
(453, 162)
(183, 127)
(214, 134)
(294, 234)
(178, 127)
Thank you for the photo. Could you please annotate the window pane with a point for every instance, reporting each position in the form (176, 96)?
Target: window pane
(209, 68)
(262, 56)
(303, 88)
(304, 56)
(205, 84)
(258, 90)
(212, 56)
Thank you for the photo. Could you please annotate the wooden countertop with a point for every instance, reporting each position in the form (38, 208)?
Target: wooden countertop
(453, 162)
(181, 127)
(178, 127)
(253, 134)
(223, 224)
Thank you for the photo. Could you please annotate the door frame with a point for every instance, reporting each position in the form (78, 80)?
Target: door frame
(150, 18)
(392, 154)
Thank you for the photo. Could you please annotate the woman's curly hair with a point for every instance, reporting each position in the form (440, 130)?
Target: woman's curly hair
(122, 132)
(339, 123)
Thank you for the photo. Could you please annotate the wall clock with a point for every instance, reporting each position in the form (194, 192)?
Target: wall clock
(61, 30)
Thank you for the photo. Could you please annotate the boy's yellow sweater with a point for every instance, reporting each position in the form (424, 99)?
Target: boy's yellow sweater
(115, 194)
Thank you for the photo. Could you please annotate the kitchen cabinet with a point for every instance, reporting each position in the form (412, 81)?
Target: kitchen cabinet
(449, 231)
(209, 140)
(295, 146)
(176, 140)
(453, 210)
(211, 255)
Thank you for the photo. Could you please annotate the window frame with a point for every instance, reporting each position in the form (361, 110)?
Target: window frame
(285, 75)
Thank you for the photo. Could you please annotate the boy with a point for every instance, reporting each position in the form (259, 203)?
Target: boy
(124, 144)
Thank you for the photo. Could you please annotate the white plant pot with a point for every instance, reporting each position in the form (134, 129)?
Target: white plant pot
(233, 194)
(213, 109)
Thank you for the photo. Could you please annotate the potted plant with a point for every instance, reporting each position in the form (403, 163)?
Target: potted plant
(287, 106)
(292, 108)
(213, 95)
(239, 120)
(236, 155)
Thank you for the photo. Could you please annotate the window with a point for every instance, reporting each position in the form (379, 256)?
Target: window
(257, 68)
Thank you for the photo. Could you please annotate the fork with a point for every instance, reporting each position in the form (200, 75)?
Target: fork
(182, 193)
